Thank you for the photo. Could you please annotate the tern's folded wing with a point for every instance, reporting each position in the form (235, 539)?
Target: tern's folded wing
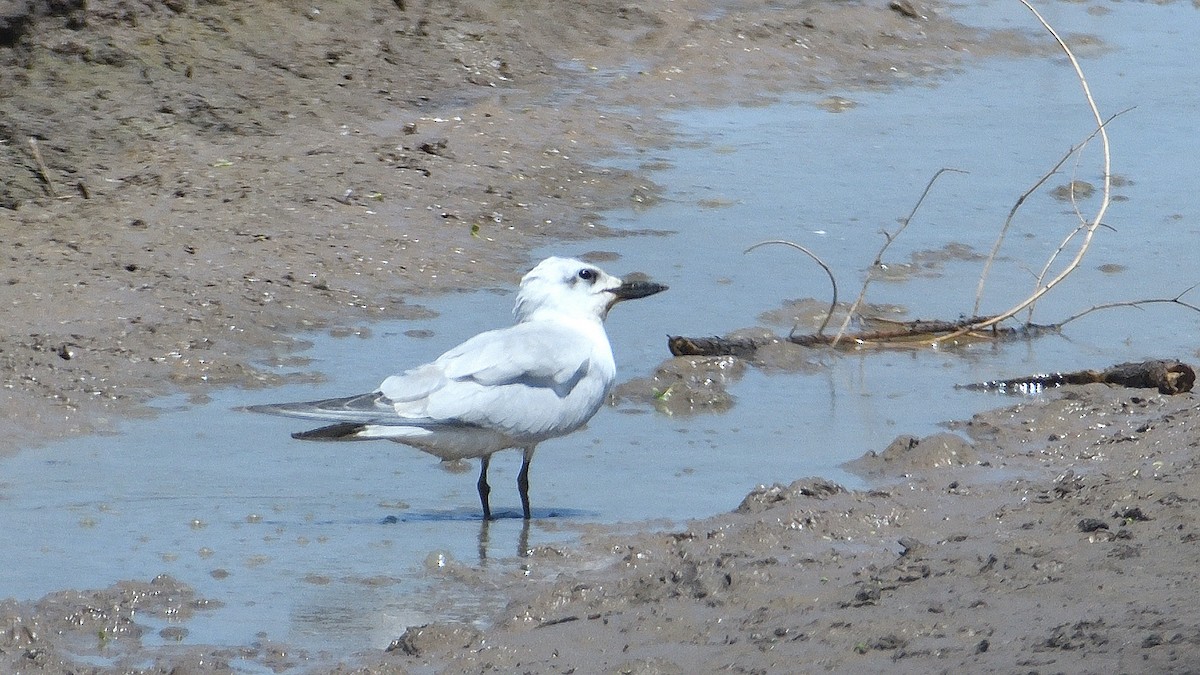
(537, 355)
(516, 380)
(372, 408)
(527, 352)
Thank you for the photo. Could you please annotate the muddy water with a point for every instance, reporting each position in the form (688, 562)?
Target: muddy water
(322, 545)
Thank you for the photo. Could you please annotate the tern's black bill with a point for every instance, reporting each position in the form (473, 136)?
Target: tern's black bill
(632, 290)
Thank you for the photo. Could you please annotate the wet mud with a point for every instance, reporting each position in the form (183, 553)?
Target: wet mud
(202, 187)
(1053, 536)
(1056, 535)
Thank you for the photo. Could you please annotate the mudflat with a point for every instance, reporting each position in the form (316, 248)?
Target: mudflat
(187, 187)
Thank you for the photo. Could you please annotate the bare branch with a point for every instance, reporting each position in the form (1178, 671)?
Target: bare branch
(987, 266)
(1083, 224)
(1090, 230)
(1177, 300)
(889, 238)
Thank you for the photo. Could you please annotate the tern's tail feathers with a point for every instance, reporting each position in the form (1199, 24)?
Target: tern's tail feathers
(360, 409)
(357, 431)
(371, 417)
(342, 431)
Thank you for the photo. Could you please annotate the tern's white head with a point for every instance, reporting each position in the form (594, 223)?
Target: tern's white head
(565, 286)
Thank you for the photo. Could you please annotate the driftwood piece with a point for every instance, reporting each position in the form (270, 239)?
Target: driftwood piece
(897, 334)
(1169, 377)
(714, 346)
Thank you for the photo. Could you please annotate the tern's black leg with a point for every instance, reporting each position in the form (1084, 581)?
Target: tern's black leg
(484, 488)
(523, 481)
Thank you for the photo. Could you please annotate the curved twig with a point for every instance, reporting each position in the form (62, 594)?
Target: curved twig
(1083, 224)
(817, 259)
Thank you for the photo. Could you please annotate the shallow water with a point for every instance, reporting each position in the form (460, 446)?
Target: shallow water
(295, 538)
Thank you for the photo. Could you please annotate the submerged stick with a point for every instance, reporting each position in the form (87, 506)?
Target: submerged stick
(906, 334)
(1167, 376)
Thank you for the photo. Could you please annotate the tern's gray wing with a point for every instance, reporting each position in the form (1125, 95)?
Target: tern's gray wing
(542, 351)
(362, 409)
(538, 354)
(532, 380)
(517, 379)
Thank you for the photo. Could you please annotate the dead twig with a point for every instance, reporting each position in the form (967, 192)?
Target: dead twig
(888, 239)
(1137, 304)
(987, 266)
(817, 259)
(1083, 224)
(1089, 230)
(41, 165)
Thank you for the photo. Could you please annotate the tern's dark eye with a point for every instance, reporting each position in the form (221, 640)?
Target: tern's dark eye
(587, 274)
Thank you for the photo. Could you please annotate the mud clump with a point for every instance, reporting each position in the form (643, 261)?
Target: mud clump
(766, 497)
(686, 385)
(108, 623)
(420, 640)
(908, 454)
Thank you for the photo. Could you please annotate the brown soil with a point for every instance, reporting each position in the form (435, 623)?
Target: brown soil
(209, 179)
